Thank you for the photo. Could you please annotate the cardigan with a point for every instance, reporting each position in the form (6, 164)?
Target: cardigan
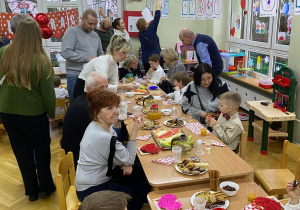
(21, 101)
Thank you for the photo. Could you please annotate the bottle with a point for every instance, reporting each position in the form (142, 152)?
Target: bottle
(174, 114)
(199, 148)
(136, 79)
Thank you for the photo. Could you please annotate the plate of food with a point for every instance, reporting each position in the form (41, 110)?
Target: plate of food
(212, 198)
(140, 92)
(177, 124)
(192, 166)
(163, 137)
(150, 125)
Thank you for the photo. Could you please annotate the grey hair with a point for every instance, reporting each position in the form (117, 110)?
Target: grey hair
(188, 33)
(90, 79)
(128, 61)
(16, 20)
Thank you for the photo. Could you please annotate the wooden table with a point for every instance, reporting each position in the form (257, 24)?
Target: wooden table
(184, 194)
(268, 114)
(161, 176)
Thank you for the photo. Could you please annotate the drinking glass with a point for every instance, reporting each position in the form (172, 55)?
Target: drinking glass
(251, 191)
(199, 203)
(203, 131)
(207, 144)
(176, 153)
(174, 114)
(137, 111)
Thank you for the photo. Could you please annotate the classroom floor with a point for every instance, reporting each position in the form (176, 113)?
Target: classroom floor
(12, 190)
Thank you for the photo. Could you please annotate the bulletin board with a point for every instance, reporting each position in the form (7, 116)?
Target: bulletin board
(130, 18)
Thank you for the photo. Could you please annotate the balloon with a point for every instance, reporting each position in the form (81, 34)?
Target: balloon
(46, 32)
(42, 19)
(286, 8)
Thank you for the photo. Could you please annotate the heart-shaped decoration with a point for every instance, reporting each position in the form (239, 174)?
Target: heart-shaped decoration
(232, 31)
(245, 12)
(243, 4)
(168, 201)
(57, 34)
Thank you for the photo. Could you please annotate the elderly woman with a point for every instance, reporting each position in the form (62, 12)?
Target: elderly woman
(117, 51)
(120, 29)
(130, 66)
(27, 97)
(148, 37)
(202, 95)
(92, 168)
(174, 64)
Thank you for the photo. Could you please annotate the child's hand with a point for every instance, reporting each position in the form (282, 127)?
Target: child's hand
(207, 119)
(213, 122)
(203, 114)
(150, 70)
(177, 88)
(293, 191)
(148, 80)
(164, 95)
(145, 77)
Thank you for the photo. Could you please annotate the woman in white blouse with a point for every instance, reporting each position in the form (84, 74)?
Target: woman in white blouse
(120, 29)
(117, 51)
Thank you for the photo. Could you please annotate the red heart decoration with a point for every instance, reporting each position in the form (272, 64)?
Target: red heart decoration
(232, 31)
(58, 34)
(46, 32)
(245, 12)
(243, 4)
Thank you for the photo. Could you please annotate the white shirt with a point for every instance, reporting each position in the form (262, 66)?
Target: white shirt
(288, 206)
(124, 34)
(60, 93)
(107, 66)
(178, 94)
(156, 75)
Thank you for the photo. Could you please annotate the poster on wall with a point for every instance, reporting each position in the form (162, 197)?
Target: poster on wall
(267, 8)
(165, 12)
(208, 9)
(297, 7)
(200, 9)
(130, 18)
(217, 9)
(192, 9)
(184, 9)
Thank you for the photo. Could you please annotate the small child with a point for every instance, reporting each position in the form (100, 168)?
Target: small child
(229, 127)
(181, 81)
(156, 71)
(59, 93)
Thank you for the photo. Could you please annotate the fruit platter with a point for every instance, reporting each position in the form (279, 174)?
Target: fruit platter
(163, 137)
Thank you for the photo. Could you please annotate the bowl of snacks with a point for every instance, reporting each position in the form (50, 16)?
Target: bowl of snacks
(229, 188)
(130, 94)
(166, 112)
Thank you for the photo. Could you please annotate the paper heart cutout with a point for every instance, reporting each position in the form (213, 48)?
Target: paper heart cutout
(168, 201)
(57, 34)
(232, 31)
(245, 12)
(243, 4)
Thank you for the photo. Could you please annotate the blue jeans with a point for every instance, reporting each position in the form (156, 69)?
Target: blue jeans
(71, 81)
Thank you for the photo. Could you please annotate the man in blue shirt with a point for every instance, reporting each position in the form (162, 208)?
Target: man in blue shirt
(206, 49)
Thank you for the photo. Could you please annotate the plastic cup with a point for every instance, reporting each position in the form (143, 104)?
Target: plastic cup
(251, 191)
(207, 144)
(176, 153)
(203, 131)
(199, 203)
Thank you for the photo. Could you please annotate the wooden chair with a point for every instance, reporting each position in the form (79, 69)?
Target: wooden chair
(243, 145)
(2, 131)
(274, 181)
(65, 180)
(60, 102)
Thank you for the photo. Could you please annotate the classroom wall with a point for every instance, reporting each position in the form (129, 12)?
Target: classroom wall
(294, 65)
(169, 28)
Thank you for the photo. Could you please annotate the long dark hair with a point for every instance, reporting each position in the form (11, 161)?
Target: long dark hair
(116, 23)
(204, 68)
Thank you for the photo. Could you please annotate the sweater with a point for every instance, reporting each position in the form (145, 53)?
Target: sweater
(77, 46)
(105, 65)
(178, 66)
(105, 38)
(151, 33)
(93, 156)
(21, 101)
(229, 131)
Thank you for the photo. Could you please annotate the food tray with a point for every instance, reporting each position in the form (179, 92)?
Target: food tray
(157, 142)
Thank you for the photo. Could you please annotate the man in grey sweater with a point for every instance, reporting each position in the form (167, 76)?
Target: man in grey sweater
(80, 44)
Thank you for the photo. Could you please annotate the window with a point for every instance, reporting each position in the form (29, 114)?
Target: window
(265, 39)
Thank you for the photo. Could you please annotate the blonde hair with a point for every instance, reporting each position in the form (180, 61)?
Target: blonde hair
(128, 61)
(231, 98)
(119, 44)
(170, 54)
(26, 49)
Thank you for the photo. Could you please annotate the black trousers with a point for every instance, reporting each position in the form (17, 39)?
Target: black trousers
(78, 88)
(30, 140)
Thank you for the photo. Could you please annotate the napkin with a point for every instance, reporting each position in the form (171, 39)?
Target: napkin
(168, 102)
(252, 206)
(128, 102)
(143, 138)
(157, 97)
(165, 161)
(195, 128)
(169, 201)
(216, 143)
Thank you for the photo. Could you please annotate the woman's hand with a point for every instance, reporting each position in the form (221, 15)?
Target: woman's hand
(102, 12)
(293, 192)
(138, 123)
(127, 170)
(202, 114)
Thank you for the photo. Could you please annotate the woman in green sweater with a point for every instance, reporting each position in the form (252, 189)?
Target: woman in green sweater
(26, 98)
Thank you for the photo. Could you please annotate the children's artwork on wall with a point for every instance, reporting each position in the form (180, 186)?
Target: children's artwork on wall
(255, 7)
(130, 18)
(208, 9)
(200, 9)
(184, 9)
(281, 36)
(238, 22)
(267, 59)
(148, 4)
(192, 9)
(217, 10)
(250, 62)
(297, 7)
(260, 27)
(267, 8)
(165, 11)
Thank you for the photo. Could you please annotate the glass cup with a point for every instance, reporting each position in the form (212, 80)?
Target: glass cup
(251, 191)
(176, 153)
(199, 203)
(137, 111)
(203, 131)
(207, 144)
